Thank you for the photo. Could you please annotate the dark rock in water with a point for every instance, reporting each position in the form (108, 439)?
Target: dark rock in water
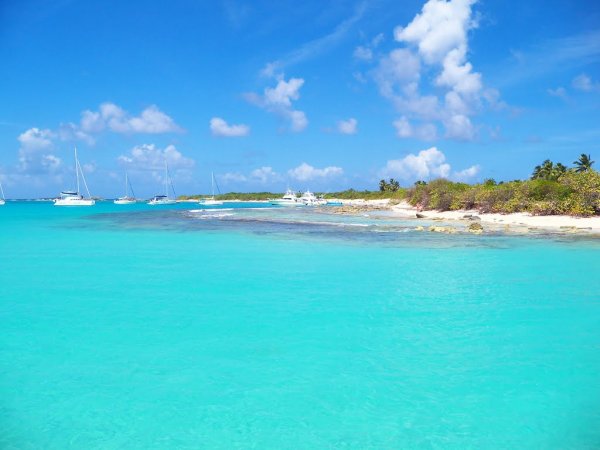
(475, 218)
(471, 217)
(420, 216)
(475, 228)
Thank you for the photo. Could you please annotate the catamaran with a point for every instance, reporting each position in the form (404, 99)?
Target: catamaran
(288, 199)
(211, 200)
(164, 199)
(74, 198)
(2, 199)
(126, 200)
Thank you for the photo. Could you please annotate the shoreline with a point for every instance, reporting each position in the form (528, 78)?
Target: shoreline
(517, 222)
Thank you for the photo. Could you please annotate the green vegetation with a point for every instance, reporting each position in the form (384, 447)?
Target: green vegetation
(573, 193)
(243, 196)
(552, 189)
(351, 194)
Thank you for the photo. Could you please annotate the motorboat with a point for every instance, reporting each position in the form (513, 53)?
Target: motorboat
(74, 198)
(310, 199)
(288, 199)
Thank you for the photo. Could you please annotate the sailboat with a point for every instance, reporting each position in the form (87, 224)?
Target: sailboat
(74, 198)
(211, 200)
(126, 200)
(164, 199)
(3, 199)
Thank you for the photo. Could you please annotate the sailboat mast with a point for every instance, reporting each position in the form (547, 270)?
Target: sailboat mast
(125, 183)
(166, 179)
(77, 169)
(212, 183)
(2, 191)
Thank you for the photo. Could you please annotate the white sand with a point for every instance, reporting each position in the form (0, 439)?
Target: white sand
(555, 223)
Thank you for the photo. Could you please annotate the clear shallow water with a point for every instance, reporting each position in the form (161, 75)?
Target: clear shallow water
(139, 327)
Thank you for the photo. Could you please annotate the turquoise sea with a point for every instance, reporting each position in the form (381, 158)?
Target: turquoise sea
(137, 327)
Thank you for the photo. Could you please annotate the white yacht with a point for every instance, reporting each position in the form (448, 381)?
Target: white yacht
(211, 200)
(288, 199)
(310, 199)
(164, 199)
(126, 200)
(2, 199)
(74, 198)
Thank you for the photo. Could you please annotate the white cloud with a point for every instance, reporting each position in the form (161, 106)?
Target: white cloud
(404, 129)
(279, 99)
(262, 175)
(363, 53)
(35, 152)
(441, 27)
(436, 45)
(466, 174)
(425, 165)
(317, 46)
(584, 83)
(151, 120)
(349, 126)
(559, 92)
(219, 127)
(150, 157)
(306, 172)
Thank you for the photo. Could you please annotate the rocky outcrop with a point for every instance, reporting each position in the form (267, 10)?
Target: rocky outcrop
(475, 228)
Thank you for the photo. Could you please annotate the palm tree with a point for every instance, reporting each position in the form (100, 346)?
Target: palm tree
(584, 163)
(394, 185)
(558, 170)
(544, 172)
(383, 186)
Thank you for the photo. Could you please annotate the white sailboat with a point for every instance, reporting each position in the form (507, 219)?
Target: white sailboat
(74, 198)
(126, 200)
(2, 199)
(211, 200)
(164, 199)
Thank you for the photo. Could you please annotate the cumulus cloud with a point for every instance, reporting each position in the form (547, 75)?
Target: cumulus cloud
(306, 172)
(151, 120)
(559, 92)
(219, 127)
(363, 53)
(36, 152)
(151, 157)
(349, 126)
(435, 43)
(466, 174)
(262, 175)
(404, 129)
(278, 100)
(427, 164)
(584, 83)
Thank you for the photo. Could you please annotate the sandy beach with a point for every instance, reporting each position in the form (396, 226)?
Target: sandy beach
(516, 221)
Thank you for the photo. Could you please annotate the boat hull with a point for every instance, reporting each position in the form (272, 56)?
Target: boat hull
(210, 202)
(124, 202)
(162, 202)
(75, 202)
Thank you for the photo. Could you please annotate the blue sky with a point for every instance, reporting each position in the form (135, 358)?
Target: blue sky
(310, 94)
